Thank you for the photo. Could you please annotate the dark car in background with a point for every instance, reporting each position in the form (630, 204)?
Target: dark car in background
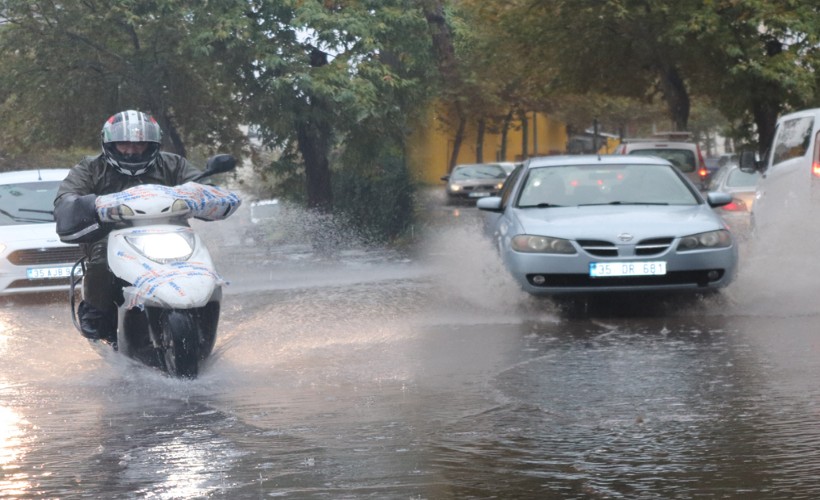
(471, 181)
(742, 186)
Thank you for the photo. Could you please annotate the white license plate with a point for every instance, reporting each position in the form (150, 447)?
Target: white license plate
(38, 273)
(607, 269)
(479, 194)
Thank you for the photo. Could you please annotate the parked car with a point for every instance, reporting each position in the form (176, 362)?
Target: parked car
(683, 154)
(581, 224)
(32, 258)
(742, 187)
(790, 180)
(469, 182)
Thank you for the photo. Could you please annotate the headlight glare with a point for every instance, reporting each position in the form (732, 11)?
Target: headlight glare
(163, 247)
(541, 244)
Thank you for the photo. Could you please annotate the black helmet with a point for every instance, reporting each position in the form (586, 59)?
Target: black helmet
(131, 126)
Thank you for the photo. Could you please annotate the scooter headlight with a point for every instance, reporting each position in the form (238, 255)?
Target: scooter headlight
(163, 247)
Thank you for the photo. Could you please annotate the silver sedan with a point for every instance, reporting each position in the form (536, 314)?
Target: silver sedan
(580, 224)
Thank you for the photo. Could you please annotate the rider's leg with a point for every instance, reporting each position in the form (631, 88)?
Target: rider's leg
(98, 311)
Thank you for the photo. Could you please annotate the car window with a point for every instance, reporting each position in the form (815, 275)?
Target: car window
(738, 178)
(717, 178)
(507, 189)
(684, 159)
(792, 139)
(488, 171)
(27, 202)
(604, 184)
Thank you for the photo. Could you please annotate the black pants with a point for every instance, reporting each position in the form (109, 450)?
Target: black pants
(98, 309)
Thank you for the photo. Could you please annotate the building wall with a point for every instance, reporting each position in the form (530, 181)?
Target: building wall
(430, 146)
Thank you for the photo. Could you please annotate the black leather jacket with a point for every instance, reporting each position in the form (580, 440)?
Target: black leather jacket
(74, 209)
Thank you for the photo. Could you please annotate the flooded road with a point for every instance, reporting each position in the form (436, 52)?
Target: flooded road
(372, 374)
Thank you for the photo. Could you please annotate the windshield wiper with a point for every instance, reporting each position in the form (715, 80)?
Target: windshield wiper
(637, 203)
(622, 203)
(16, 218)
(540, 205)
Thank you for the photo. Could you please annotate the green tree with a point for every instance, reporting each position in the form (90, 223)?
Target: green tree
(66, 66)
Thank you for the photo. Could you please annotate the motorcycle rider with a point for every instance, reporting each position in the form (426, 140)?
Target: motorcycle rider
(131, 156)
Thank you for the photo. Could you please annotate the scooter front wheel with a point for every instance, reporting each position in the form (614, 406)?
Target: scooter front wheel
(180, 343)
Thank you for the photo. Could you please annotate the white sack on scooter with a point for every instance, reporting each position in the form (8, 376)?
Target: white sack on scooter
(204, 202)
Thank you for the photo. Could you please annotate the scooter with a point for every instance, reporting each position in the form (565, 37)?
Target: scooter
(171, 293)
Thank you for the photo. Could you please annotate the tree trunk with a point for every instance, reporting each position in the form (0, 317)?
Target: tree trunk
(314, 146)
(457, 140)
(479, 142)
(525, 139)
(505, 128)
(445, 56)
(173, 134)
(315, 138)
(676, 97)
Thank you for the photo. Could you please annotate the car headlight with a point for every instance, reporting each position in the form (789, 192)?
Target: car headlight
(712, 239)
(163, 247)
(455, 188)
(541, 244)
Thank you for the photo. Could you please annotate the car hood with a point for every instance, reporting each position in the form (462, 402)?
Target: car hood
(607, 222)
(477, 182)
(30, 235)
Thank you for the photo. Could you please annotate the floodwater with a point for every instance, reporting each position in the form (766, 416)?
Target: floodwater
(372, 374)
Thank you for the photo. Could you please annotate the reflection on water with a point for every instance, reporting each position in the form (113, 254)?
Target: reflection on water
(380, 377)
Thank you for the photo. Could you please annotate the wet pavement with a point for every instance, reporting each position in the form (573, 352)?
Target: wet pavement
(386, 375)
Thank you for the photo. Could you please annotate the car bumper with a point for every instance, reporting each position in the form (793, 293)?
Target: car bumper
(569, 274)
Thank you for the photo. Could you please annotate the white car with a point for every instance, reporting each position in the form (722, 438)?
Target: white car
(790, 180)
(32, 257)
(673, 147)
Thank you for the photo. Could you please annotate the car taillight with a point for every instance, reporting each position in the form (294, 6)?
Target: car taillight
(815, 161)
(703, 172)
(735, 206)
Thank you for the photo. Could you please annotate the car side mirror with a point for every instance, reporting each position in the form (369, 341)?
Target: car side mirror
(748, 162)
(445, 177)
(718, 199)
(490, 204)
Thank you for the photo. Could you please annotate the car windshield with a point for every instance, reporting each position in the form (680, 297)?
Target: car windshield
(27, 202)
(466, 172)
(581, 185)
(740, 179)
(684, 159)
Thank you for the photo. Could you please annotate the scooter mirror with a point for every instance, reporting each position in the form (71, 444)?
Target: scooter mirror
(219, 164)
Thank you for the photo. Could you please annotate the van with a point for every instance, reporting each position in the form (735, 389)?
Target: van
(790, 180)
(673, 147)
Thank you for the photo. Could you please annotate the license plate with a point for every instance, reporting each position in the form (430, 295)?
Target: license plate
(478, 194)
(38, 273)
(607, 269)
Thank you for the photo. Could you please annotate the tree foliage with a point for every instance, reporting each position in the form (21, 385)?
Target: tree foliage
(66, 66)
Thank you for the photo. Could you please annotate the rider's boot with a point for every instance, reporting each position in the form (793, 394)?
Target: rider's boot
(97, 324)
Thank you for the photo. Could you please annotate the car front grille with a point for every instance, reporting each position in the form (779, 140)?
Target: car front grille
(38, 283)
(653, 246)
(41, 256)
(695, 278)
(600, 248)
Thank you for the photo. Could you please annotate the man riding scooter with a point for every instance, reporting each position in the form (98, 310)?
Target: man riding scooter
(130, 157)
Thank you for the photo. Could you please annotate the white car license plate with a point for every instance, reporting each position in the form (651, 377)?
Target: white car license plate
(478, 194)
(37, 273)
(607, 269)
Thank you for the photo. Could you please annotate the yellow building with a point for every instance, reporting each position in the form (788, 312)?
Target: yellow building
(431, 145)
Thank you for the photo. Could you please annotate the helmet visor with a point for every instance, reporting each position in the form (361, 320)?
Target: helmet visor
(131, 126)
